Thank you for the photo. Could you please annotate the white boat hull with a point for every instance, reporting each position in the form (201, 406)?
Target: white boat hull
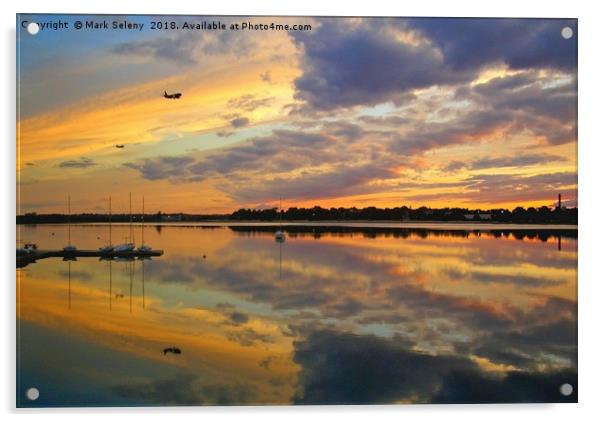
(126, 247)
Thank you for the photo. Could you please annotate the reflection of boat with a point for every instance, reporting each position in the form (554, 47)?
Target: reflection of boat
(128, 246)
(279, 235)
(69, 264)
(109, 247)
(280, 260)
(143, 301)
(69, 247)
(143, 247)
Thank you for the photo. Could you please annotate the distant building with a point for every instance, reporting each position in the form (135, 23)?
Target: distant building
(485, 216)
(171, 217)
(468, 216)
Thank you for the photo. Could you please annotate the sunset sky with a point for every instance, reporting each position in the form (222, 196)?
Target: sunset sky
(354, 112)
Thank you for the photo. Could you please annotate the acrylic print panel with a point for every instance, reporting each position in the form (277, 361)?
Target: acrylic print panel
(295, 210)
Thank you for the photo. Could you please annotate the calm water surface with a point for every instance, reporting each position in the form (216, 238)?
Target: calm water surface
(330, 316)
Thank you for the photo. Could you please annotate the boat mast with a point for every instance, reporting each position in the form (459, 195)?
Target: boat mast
(69, 263)
(143, 220)
(143, 304)
(69, 217)
(131, 229)
(110, 219)
(110, 285)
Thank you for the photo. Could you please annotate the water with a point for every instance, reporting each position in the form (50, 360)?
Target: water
(341, 315)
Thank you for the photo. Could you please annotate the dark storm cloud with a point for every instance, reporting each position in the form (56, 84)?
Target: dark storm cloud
(515, 387)
(364, 62)
(350, 63)
(339, 368)
(520, 43)
(550, 327)
(185, 389)
(342, 368)
(82, 162)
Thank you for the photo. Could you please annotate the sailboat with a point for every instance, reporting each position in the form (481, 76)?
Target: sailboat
(143, 247)
(108, 248)
(128, 246)
(69, 247)
(279, 235)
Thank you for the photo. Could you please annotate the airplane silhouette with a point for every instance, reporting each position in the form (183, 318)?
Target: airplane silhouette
(119, 146)
(175, 96)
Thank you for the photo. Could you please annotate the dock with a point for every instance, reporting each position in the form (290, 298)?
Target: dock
(35, 255)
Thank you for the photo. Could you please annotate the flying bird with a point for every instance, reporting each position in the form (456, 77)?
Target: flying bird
(175, 96)
(119, 146)
(174, 350)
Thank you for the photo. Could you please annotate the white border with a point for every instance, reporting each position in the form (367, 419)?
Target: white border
(590, 205)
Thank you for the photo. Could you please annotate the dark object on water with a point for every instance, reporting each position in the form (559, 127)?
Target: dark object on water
(204, 256)
(119, 146)
(174, 350)
(118, 295)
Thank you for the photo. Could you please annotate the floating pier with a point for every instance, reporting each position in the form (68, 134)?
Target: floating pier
(34, 255)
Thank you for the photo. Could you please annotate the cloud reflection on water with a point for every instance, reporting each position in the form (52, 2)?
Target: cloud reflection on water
(341, 318)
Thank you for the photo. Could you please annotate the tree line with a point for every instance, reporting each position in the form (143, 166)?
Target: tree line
(541, 215)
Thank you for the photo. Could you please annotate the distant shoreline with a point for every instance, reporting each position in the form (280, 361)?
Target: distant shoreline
(318, 215)
(377, 224)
